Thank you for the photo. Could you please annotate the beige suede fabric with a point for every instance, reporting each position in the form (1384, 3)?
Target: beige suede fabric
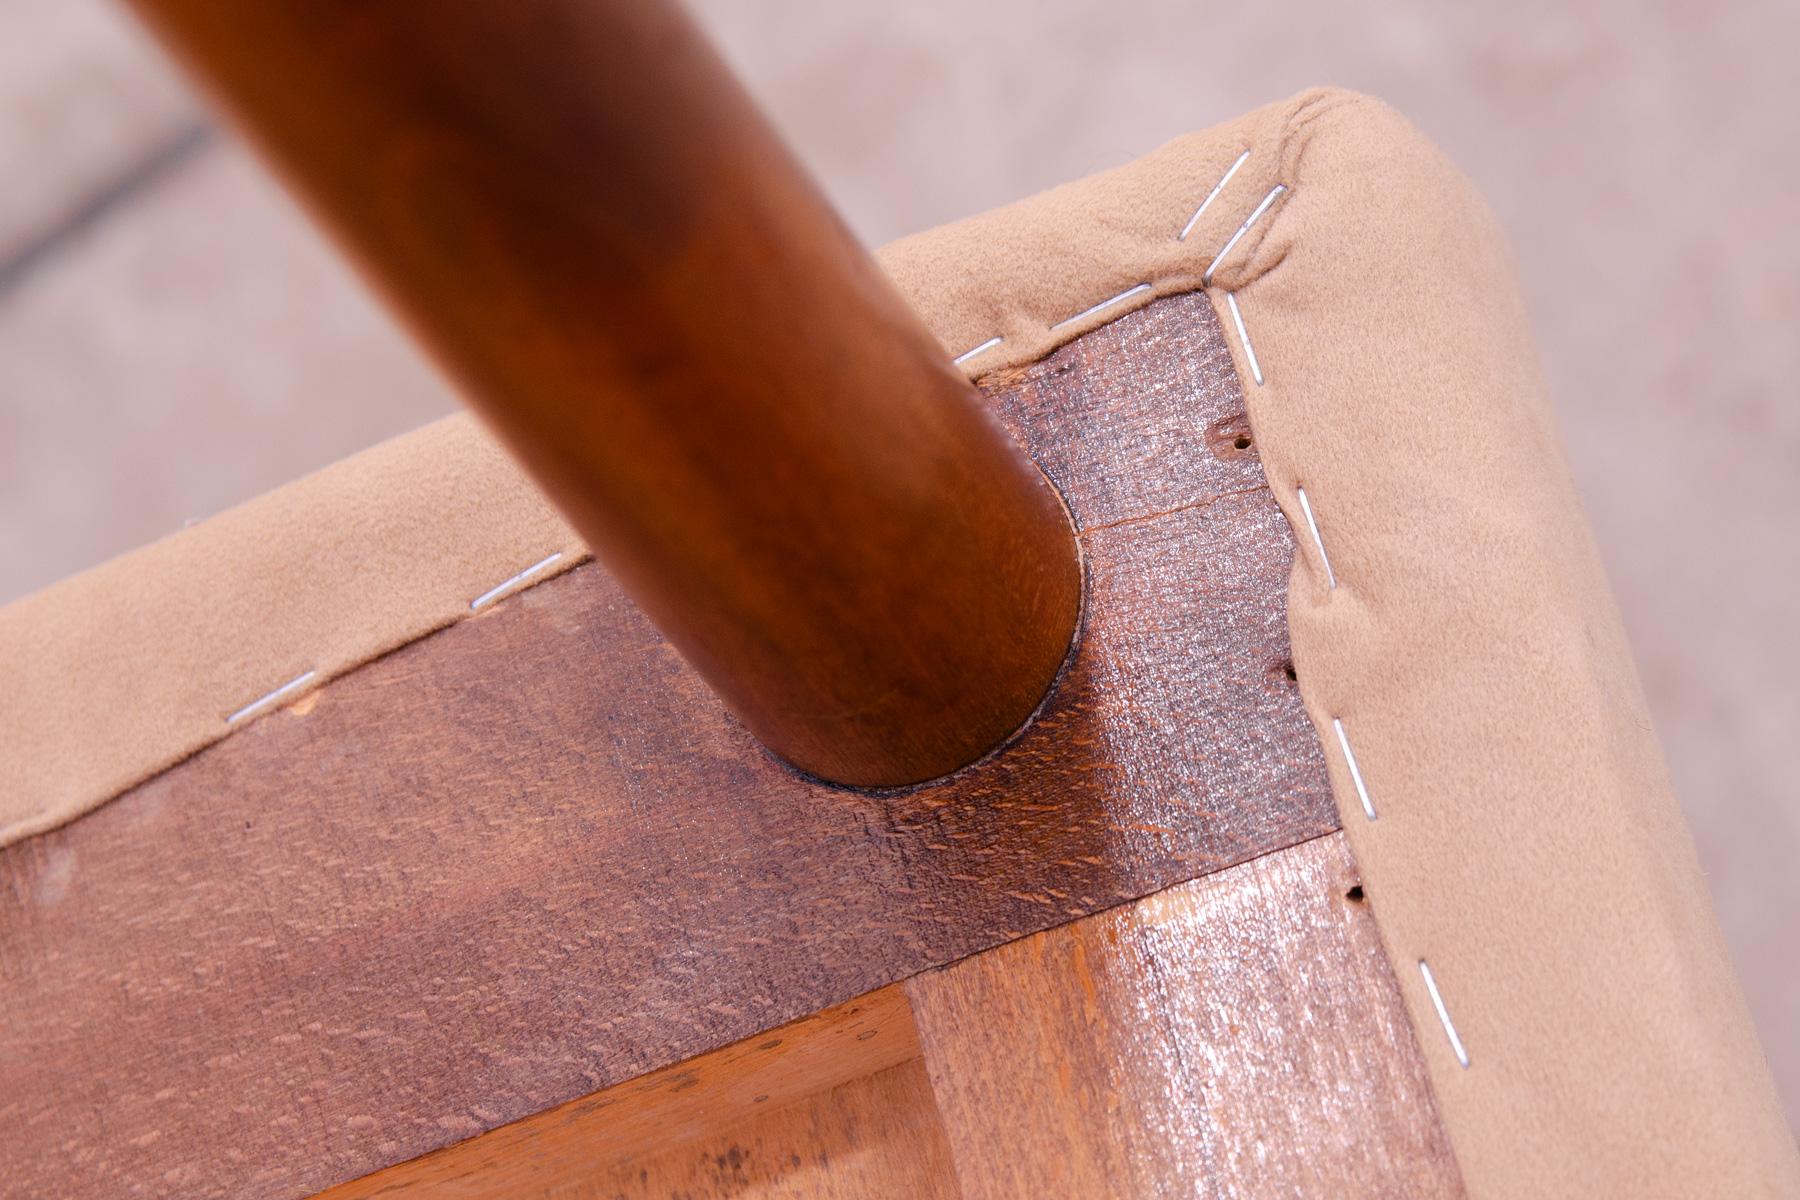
(1449, 616)
(1526, 844)
(109, 677)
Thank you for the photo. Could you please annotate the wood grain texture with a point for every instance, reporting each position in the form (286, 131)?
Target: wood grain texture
(670, 1120)
(877, 1136)
(1240, 1035)
(580, 212)
(532, 856)
(867, 1139)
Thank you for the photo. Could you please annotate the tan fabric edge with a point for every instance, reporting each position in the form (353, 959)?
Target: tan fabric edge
(1027, 273)
(121, 671)
(1527, 844)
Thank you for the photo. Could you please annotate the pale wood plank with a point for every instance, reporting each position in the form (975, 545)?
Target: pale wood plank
(1237, 1036)
(703, 1120)
(874, 1138)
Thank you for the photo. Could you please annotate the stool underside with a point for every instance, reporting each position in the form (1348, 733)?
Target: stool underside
(530, 857)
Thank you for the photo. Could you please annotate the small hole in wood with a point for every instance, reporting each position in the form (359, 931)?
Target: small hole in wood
(1354, 895)
(1287, 668)
(1230, 438)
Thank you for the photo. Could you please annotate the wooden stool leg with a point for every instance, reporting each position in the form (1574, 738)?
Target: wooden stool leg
(581, 213)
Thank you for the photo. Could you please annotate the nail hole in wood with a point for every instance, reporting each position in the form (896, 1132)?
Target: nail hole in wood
(1355, 894)
(1230, 437)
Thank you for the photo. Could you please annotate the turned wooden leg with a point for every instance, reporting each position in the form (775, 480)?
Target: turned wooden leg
(578, 210)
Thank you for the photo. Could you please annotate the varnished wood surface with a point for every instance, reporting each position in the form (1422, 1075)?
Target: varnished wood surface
(874, 1138)
(585, 218)
(702, 1122)
(531, 856)
(1237, 1036)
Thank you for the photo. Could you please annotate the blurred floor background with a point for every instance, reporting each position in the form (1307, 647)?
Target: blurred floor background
(174, 337)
